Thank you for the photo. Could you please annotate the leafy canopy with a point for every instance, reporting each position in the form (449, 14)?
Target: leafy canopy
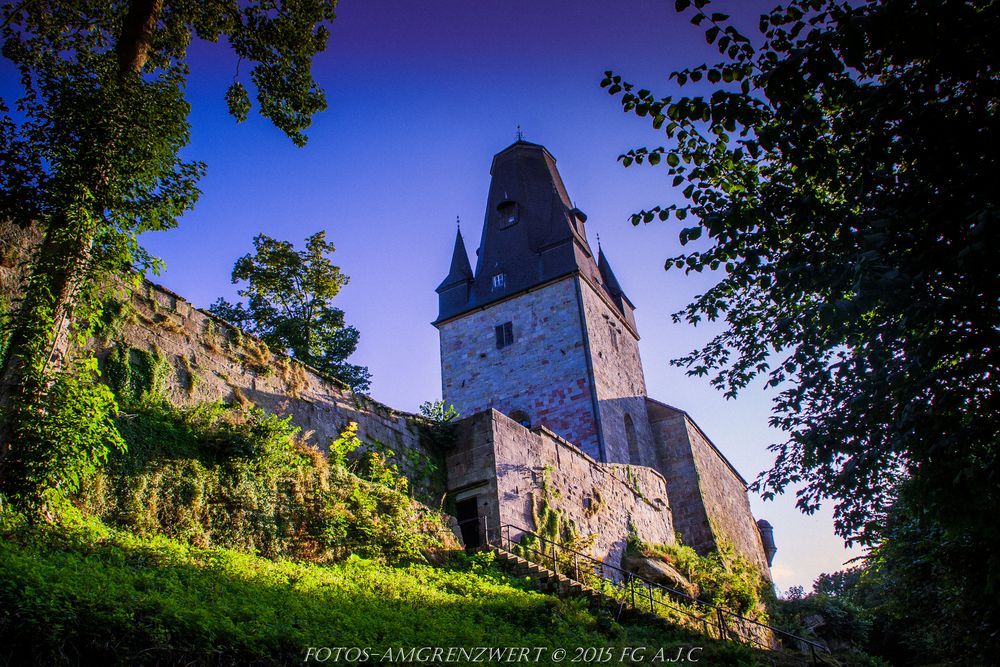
(288, 304)
(90, 152)
(839, 178)
(103, 115)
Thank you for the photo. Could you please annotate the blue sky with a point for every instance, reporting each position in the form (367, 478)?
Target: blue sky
(421, 95)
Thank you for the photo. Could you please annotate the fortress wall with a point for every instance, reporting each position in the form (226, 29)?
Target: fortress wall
(724, 495)
(210, 360)
(682, 476)
(708, 497)
(602, 500)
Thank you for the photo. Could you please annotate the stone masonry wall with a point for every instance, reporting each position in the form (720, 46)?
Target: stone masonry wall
(620, 382)
(724, 495)
(211, 360)
(543, 373)
(602, 500)
(679, 469)
(708, 498)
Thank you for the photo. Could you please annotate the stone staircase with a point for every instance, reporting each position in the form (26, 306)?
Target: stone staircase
(547, 580)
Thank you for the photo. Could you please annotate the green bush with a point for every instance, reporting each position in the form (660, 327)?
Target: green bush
(842, 624)
(376, 521)
(136, 376)
(216, 475)
(62, 439)
(724, 577)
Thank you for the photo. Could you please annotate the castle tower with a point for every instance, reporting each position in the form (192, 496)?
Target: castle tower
(541, 331)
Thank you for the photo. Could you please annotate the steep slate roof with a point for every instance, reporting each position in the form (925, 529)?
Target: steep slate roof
(461, 270)
(609, 279)
(547, 241)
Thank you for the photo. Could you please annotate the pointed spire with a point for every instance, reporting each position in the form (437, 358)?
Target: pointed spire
(607, 275)
(461, 270)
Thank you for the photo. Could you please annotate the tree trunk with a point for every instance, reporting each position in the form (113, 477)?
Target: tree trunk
(44, 311)
(61, 262)
(137, 34)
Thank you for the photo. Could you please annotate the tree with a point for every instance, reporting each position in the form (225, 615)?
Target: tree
(840, 178)
(92, 151)
(288, 305)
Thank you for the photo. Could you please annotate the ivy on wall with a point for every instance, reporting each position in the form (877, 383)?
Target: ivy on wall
(136, 376)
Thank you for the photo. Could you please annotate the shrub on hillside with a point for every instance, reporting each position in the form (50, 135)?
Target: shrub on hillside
(217, 475)
(724, 577)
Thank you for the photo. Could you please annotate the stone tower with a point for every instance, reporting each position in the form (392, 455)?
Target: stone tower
(542, 331)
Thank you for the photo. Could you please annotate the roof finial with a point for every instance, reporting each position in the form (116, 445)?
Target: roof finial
(458, 222)
(520, 135)
(598, 240)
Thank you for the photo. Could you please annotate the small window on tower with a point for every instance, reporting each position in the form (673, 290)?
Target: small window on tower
(505, 335)
(499, 281)
(614, 335)
(508, 213)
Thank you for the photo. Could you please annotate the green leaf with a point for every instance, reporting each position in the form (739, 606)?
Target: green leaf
(238, 102)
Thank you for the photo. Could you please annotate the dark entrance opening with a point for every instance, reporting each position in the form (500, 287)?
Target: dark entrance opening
(467, 512)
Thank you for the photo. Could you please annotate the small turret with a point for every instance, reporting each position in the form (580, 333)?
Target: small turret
(767, 539)
(453, 292)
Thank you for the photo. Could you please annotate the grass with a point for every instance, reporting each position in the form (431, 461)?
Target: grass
(81, 593)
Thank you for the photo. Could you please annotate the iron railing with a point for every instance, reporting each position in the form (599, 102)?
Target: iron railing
(634, 591)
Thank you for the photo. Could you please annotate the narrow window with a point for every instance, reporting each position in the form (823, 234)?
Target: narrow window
(633, 441)
(505, 334)
(499, 280)
(614, 335)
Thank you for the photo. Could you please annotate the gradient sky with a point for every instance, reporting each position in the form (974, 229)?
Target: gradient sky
(421, 96)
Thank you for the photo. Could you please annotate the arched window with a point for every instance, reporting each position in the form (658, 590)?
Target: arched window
(521, 417)
(633, 442)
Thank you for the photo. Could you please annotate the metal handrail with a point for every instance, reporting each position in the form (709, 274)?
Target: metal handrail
(634, 586)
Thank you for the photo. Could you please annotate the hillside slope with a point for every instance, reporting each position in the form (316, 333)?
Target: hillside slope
(83, 593)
